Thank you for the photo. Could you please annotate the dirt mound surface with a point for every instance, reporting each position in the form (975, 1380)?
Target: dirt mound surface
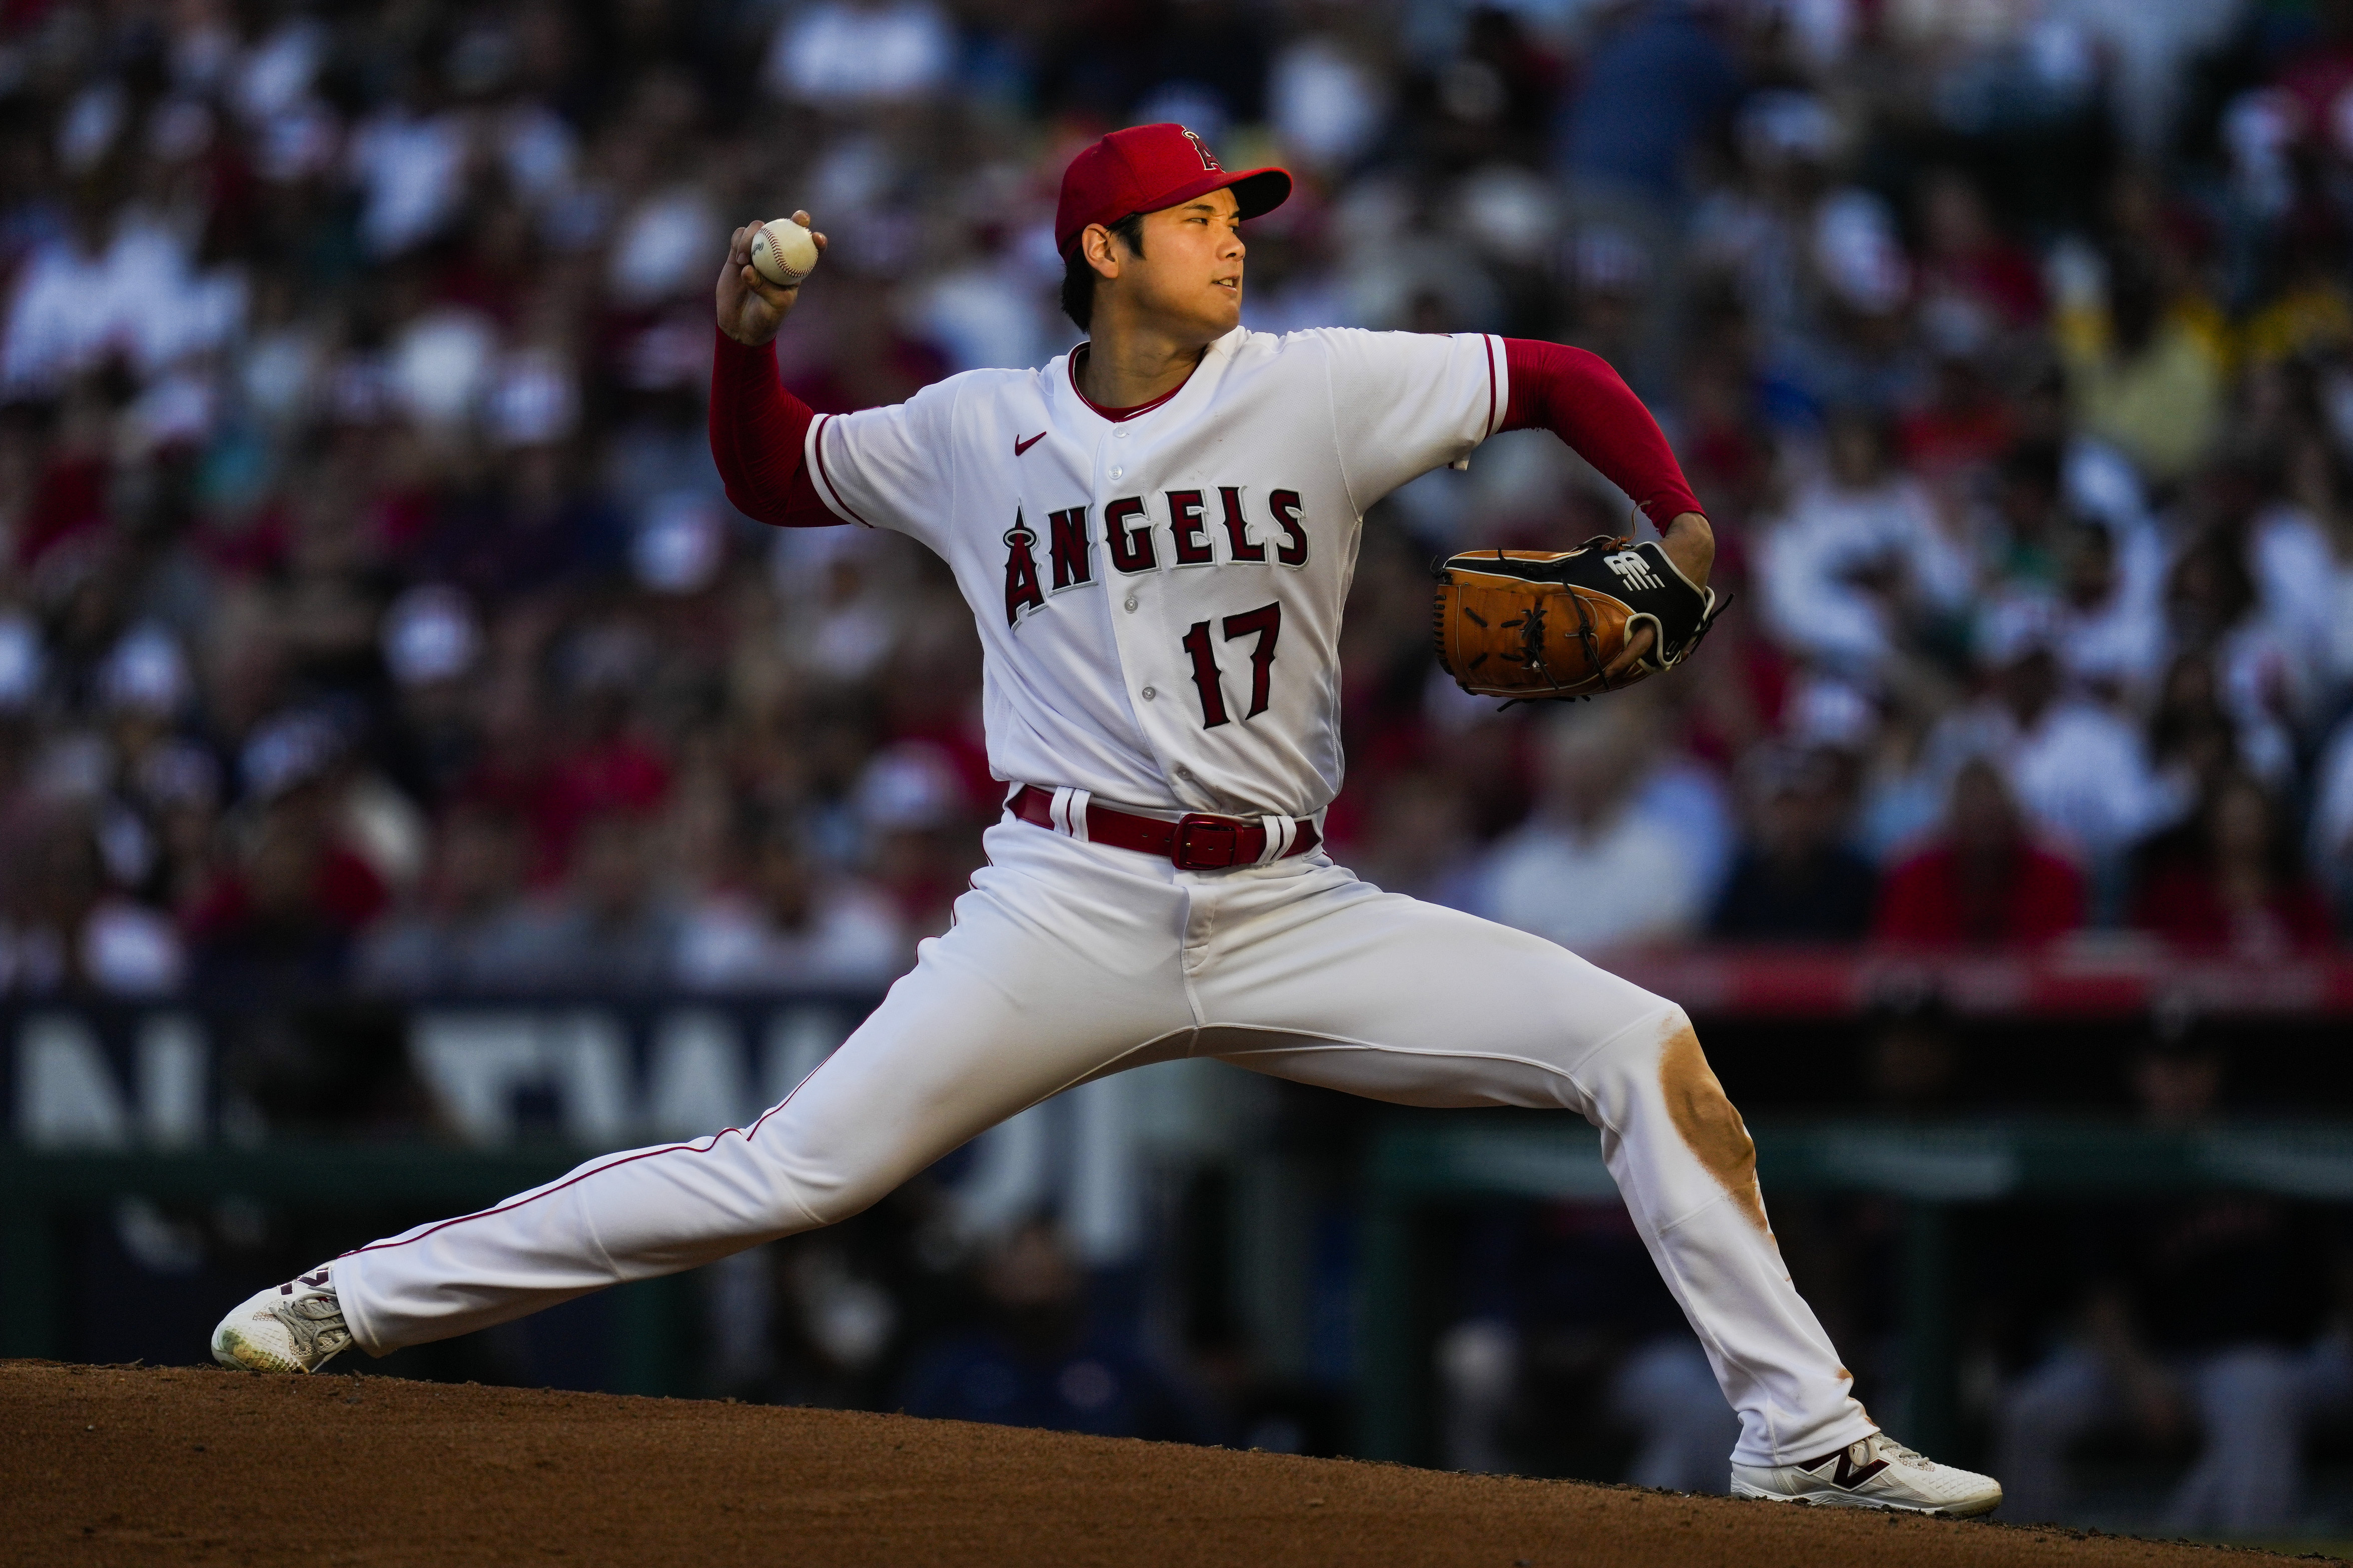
(103, 1465)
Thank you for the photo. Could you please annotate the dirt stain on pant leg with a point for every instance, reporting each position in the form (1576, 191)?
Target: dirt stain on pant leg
(1711, 1129)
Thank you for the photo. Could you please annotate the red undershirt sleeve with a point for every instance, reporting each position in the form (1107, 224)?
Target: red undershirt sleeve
(1577, 397)
(759, 435)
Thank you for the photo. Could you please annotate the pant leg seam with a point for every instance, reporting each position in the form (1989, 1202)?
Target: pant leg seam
(1348, 1042)
(1107, 1069)
(1690, 1215)
(1331, 1042)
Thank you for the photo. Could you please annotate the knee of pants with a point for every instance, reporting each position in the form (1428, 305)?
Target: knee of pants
(811, 1183)
(1630, 1061)
(1659, 1063)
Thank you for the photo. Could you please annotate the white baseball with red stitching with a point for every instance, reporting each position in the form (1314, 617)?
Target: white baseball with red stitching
(784, 252)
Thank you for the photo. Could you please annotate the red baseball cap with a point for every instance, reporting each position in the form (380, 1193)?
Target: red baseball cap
(1147, 167)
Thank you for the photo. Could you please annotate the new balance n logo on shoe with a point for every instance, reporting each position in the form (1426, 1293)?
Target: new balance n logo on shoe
(1848, 1474)
(1632, 569)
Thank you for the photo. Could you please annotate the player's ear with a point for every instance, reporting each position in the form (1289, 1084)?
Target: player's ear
(1094, 243)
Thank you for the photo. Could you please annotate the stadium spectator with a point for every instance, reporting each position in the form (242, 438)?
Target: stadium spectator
(1042, 1357)
(285, 914)
(1599, 861)
(1964, 423)
(613, 925)
(2212, 606)
(2301, 552)
(2230, 882)
(1967, 257)
(468, 930)
(1984, 882)
(914, 813)
(2018, 534)
(847, 56)
(2192, 740)
(789, 924)
(1415, 844)
(1796, 879)
(1858, 572)
(1618, 138)
(66, 930)
(2076, 766)
(2107, 625)
(2142, 380)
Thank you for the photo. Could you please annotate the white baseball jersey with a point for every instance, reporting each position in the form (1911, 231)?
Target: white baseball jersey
(1159, 596)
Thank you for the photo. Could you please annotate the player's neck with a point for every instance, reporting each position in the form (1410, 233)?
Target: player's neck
(1126, 365)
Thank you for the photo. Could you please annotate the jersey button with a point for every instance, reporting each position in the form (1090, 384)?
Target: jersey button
(1149, 694)
(1119, 432)
(1118, 473)
(1130, 601)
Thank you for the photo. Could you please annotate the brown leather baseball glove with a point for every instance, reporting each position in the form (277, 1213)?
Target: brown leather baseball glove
(1534, 623)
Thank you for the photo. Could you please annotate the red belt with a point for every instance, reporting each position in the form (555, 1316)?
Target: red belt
(1195, 842)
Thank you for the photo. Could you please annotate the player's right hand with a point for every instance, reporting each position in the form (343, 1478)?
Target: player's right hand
(751, 307)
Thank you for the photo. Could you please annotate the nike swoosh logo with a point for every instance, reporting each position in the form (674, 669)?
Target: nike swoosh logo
(1019, 445)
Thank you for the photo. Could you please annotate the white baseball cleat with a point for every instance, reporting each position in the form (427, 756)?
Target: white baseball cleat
(294, 1327)
(1875, 1473)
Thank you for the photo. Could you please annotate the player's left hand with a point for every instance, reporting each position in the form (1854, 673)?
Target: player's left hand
(1690, 544)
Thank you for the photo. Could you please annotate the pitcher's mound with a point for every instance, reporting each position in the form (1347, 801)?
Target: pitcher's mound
(185, 1465)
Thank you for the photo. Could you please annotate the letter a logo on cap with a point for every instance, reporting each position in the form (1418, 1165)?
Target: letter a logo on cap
(1209, 159)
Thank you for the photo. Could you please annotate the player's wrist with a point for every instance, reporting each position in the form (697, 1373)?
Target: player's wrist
(750, 337)
(1690, 543)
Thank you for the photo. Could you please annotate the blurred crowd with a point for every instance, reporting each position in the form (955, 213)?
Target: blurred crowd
(370, 612)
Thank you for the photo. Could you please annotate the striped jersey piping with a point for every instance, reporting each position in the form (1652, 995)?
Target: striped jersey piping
(1489, 341)
(832, 494)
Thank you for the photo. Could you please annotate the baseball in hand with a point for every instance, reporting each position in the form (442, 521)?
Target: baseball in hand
(782, 252)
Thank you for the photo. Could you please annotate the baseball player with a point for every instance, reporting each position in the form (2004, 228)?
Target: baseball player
(1156, 534)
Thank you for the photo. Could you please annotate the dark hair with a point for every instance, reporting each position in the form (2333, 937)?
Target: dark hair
(1079, 278)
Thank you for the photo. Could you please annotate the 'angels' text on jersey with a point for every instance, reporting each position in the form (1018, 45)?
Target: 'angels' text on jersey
(1135, 539)
(1159, 596)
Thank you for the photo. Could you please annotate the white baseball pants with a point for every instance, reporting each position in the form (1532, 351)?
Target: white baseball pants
(1068, 960)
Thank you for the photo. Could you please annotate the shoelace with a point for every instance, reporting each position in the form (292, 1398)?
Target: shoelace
(320, 1308)
(321, 1318)
(1890, 1449)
